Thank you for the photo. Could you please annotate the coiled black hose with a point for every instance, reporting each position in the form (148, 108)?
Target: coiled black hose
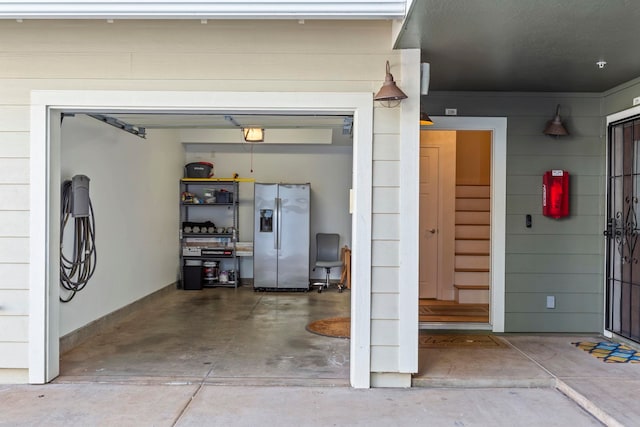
(76, 271)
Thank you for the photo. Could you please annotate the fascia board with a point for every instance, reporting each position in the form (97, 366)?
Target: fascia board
(204, 9)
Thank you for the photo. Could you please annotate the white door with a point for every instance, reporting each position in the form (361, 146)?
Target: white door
(429, 172)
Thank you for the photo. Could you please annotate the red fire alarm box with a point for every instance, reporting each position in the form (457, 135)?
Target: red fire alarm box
(555, 193)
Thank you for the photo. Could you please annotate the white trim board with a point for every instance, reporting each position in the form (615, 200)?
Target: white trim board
(46, 107)
(409, 213)
(208, 9)
(498, 127)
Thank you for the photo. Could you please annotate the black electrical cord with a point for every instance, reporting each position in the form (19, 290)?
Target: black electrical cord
(76, 271)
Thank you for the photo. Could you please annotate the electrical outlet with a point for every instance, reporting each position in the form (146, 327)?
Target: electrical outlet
(636, 100)
(551, 301)
(451, 111)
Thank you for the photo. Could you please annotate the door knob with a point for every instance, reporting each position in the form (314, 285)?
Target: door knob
(432, 231)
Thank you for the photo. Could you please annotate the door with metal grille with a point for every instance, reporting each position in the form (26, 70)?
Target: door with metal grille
(623, 227)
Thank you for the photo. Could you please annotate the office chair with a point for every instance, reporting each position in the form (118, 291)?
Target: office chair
(327, 256)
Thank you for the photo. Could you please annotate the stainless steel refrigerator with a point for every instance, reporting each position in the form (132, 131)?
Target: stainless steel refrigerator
(281, 236)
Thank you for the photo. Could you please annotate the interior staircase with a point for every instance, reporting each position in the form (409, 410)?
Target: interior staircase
(472, 244)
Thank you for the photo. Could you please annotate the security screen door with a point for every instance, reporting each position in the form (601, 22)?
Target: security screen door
(623, 257)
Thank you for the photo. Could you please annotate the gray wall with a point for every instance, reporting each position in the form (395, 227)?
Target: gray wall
(620, 97)
(562, 257)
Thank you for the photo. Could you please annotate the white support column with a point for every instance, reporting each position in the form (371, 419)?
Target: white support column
(409, 212)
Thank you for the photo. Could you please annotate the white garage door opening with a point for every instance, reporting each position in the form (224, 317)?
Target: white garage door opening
(45, 197)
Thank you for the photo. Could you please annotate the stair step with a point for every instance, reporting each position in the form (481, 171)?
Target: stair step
(473, 218)
(472, 262)
(482, 246)
(473, 191)
(472, 294)
(473, 204)
(472, 232)
(471, 277)
(472, 287)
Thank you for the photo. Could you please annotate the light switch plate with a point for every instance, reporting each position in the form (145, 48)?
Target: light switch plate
(551, 301)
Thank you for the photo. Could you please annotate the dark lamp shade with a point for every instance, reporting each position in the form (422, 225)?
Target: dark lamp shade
(425, 120)
(555, 127)
(389, 91)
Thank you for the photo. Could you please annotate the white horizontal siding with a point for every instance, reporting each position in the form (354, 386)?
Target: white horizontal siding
(384, 358)
(14, 276)
(384, 332)
(384, 306)
(312, 66)
(12, 117)
(386, 200)
(13, 328)
(14, 171)
(13, 302)
(14, 249)
(386, 147)
(384, 279)
(385, 261)
(14, 144)
(385, 226)
(14, 197)
(13, 355)
(17, 90)
(386, 173)
(221, 37)
(14, 223)
(387, 120)
(63, 65)
(385, 253)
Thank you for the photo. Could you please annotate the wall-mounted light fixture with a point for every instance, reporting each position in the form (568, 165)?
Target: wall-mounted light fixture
(554, 126)
(253, 134)
(425, 120)
(389, 91)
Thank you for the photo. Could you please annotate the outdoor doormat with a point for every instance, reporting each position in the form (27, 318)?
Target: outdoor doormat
(336, 327)
(461, 340)
(610, 352)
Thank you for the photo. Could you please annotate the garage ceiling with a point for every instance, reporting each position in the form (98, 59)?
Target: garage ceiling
(339, 127)
(518, 45)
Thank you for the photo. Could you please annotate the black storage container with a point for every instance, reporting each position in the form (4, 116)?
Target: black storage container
(198, 170)
(192, 276)
(224, 197)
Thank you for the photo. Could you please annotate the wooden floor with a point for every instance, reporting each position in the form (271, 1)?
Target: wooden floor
(431, 310)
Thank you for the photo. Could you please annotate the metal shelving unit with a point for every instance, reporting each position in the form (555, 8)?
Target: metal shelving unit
(208, 232)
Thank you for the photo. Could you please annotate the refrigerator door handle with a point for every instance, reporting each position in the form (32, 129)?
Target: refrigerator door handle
(275, 223)
(278, 223)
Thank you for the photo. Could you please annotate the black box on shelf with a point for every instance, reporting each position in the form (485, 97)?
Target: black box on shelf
(224, 197)
(192, 277)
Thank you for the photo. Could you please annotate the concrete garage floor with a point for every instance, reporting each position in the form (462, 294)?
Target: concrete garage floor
(220, 336)
(235, 357)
